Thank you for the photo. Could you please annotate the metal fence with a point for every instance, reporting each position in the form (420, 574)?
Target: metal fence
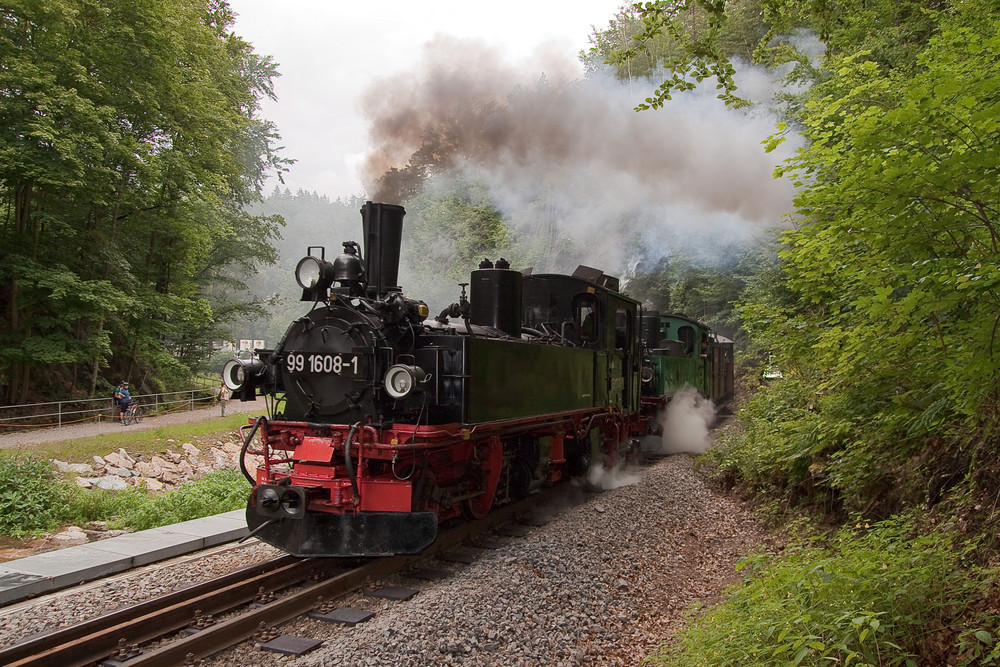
(60, 413)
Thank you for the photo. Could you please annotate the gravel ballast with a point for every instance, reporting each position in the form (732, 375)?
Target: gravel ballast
(605, 582)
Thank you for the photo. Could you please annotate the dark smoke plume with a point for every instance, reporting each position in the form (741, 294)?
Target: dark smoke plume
(570, 157)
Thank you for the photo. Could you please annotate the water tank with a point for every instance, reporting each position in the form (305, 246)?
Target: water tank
(495, 298)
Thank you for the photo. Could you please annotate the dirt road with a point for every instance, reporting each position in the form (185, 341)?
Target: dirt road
(25, 438)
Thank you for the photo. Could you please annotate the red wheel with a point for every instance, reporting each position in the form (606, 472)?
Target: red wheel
(490, 453)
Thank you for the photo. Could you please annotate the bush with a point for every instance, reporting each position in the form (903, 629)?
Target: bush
(220, 491)
(32, 500)
(870, 598)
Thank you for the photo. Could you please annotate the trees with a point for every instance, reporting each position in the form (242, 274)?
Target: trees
(130, 146)
(885, 317)
(896, 267)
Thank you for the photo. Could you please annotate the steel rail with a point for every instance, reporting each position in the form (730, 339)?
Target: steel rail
(87, 642)
(228, 633)
(97, 639)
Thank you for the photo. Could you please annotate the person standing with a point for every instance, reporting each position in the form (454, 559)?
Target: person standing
(123, 399)
(223, 397)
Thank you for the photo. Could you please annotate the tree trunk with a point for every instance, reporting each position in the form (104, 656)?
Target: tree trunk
(25, 383)
(96, 367)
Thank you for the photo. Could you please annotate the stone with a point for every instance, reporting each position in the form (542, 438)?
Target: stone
(70, 537)
(120, 472)
(220, 458)
(186, 469)
(77, 468)
(149, 469)
(110, 482)
(83, 482)
(153, 485)
(163, 463)
(99, 462)
(190, 450)
(118, 461)
(170, 477)
(173, 457)
(125, 455)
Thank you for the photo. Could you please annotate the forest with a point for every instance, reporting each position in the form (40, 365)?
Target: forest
(131, 146)
(136, 237)
(878, 444)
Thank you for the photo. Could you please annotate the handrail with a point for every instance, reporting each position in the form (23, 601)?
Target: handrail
(41, 415)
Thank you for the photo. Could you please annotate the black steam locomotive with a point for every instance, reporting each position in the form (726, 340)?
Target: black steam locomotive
(386, 421)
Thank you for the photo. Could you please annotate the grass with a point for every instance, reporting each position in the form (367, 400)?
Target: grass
(880, 594)
(34, 499)
(216, 492)
(147, 442)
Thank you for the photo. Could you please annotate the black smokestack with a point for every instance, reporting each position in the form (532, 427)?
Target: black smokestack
(382, 225)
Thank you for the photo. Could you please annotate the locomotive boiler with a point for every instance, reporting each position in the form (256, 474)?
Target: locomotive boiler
(385, 421)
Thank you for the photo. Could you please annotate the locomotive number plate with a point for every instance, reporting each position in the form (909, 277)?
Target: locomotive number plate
(348, 365)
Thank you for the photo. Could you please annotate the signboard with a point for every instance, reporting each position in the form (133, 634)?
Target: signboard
(247, 344)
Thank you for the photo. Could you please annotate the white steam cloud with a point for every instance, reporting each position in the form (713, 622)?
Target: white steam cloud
(686, 421)
(611, 478)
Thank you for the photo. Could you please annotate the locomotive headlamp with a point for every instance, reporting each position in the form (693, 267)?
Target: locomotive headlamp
(402, 380)
(314, 275)
(237, 371)
(279, 501)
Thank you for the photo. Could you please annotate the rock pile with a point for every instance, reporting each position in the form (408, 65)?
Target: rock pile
(169, 469)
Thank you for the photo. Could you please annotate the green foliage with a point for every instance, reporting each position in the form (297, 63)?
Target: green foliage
(32, 500)
(877, 595)
(216, 492)
(131, 142)
(694, 40)
(691, 39)
(890, 295)
(777, 441)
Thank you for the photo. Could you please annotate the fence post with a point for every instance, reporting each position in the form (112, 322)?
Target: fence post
(59, 404)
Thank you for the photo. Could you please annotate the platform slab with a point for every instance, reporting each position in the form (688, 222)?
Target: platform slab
(395, 593)
(73, 565)
(149, 546)
(216, 529)
(289, 645)
(345, 615)
(36, 575)
(16, 586)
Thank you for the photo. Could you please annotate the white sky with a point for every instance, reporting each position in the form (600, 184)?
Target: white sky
(330, 51)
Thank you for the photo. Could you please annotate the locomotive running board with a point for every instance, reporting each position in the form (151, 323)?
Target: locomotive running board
(363, 534)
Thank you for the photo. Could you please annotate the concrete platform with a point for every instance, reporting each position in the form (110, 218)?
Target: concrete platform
(27, 577)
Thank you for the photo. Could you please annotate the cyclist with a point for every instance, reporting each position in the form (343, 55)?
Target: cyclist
(123, 398)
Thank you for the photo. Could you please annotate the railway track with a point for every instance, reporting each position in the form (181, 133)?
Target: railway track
(179, 628)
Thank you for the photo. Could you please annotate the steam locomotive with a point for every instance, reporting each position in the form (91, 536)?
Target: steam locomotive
(386, 422)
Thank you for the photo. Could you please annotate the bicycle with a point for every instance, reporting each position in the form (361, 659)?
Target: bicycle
(133, 414)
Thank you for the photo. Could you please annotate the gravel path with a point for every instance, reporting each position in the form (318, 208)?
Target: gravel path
(606, 582)
(25, 438)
